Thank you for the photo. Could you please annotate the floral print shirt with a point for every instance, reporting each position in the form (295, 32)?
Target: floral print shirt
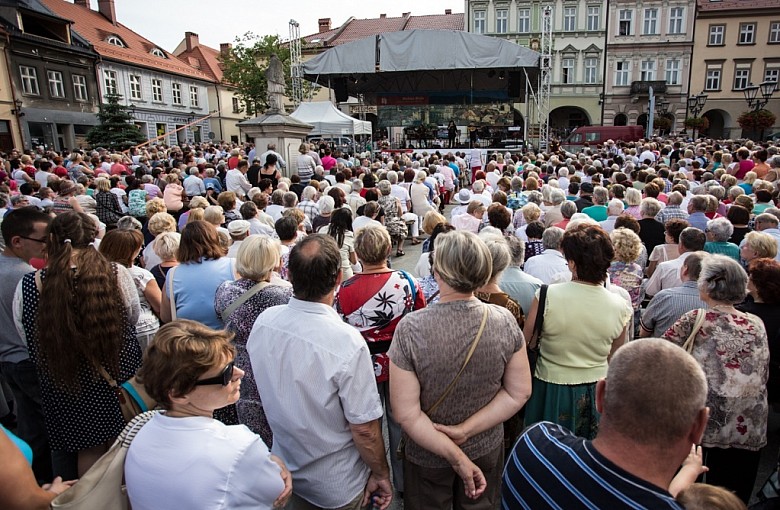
(628, 277)
(734, 353)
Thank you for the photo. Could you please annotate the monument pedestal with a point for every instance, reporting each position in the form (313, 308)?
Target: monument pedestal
(276, 126)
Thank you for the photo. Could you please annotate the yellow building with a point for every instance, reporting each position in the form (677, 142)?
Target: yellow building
(10, 131)
(737, 44)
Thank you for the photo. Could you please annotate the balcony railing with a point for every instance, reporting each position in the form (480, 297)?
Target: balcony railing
(643, 87)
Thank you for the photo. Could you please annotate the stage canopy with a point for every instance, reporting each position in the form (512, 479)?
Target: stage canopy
(329, 120)
(432, 66)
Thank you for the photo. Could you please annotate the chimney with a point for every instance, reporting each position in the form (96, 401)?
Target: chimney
(224, 48)
(324, 24)
(82, 3)
(382, 16)
(191, 40)
(106, 8)
(447, 11)
(406, 14)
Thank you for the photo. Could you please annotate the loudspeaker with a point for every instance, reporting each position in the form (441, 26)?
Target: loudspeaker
(515, 84)
(340, 89)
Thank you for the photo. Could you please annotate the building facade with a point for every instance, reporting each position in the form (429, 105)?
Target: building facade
(648, 45)
(578, 50)
(165, 94)
(737, 44)
(53, 94)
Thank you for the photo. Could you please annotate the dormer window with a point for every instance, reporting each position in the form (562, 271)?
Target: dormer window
(157, 52)
(116, 41)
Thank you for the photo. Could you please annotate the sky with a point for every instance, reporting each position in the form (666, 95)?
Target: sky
(217, 21)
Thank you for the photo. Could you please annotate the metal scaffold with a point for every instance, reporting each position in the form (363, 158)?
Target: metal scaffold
(545, 75)
(295, 63)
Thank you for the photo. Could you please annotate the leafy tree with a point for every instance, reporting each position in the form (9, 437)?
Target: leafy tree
(116, 130)
(244, 67)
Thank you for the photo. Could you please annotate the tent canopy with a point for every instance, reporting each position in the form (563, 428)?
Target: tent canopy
(329, 120)
(425, 61)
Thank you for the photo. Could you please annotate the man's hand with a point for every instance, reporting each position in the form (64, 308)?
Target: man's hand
(473, 479)
(281, 501)
(378, 492)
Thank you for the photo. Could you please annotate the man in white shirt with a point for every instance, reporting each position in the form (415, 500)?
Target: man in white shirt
(402, 194)
(463, 198)
(647, 154)
(520, 285)
(369, 213)
(316, 381)
(193, 184)
(272, 150)
(551, 262)
(480, 193)
(667, 274)
(236, 180)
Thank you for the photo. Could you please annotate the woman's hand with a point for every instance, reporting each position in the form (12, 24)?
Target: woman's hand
(281, 501)
(473, 480)
(57, 486)
(455, 432)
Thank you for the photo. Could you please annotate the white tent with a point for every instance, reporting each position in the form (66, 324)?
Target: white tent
(329, 120)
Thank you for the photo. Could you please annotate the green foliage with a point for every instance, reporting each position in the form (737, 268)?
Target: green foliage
(756, 121)
(244, 68)
(116, 130)
(700, 123)
(663, 124)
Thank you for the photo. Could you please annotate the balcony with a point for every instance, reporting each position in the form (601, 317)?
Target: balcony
(642, 88)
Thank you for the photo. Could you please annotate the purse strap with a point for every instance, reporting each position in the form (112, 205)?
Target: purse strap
(171, 299)
(243, 298)
(537, 334)
(688, 345)
(473, 347)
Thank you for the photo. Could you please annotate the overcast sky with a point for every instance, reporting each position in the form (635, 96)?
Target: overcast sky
(216, 21)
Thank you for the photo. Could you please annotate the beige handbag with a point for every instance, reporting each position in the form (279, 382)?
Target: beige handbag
(700, 316)
(102, 487)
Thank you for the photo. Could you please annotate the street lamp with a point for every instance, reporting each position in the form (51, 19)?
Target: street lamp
(696, 104)
(18, 110)
(754, 102)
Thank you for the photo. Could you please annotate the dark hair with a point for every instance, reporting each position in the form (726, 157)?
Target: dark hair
(590, 248)
(242, 163)
(440, 228)
(763, 196)
(499, 216)
(372, 195)
(674, 228)
(199, 240)
(765, 274)
(738, 215)
(21, 222)
(265, 183)
(314, 267)
(286, 228)
(574, 187)
(629, 222)
(248, 210)
(340, 222)
(271, 159)
(80, 313)
(535, 230)
(693, 239)
(121, 246)
(369, 181)
(338, 197)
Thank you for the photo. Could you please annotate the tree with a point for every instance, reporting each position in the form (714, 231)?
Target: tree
(756, 121)
(244, 68)
(116, 130)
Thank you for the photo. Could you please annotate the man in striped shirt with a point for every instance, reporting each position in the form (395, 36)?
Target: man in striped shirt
(646, 431)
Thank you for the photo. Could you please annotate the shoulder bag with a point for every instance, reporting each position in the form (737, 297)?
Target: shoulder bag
(536, 337)
(243, 298)
(172, 300)
(102, 486)
(700, 316)
(400, 454)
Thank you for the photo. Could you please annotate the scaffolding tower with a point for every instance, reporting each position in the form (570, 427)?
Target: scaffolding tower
(296, 70)
(545, 76)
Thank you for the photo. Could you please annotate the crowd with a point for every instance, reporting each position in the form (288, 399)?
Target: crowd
(256, 301)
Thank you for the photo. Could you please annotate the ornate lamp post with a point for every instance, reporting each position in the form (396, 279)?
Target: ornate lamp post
(757, 102)
(696, 105)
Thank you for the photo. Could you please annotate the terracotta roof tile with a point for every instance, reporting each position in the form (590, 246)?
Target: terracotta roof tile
(736, 5)
(437, 22)
(94, 27)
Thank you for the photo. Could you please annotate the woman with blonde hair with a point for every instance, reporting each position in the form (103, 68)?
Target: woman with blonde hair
(634, 201)
(528, 213)
(757, 245)
(165, 247)
(174, 195)
(624, 271)
(196, 202)
(238, 303)
(107, 204)
(157, 224)
(419, 194)
(305, 164)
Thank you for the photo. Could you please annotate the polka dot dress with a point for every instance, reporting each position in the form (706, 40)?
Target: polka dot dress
(91, 416)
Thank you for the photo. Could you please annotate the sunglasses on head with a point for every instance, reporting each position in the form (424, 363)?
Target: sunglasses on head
(223, 378)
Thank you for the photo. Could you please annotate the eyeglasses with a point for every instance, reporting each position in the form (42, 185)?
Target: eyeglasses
(42, 241)
(223, 378)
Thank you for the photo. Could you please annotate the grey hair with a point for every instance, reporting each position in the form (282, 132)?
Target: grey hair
(723, 279)
(615, 207)
(650, 207)
(499, 251)
(675, 198)
(535, 197)
(552, 237)
(308, 193)
(326, 204)
(600, 195)
(517, 249)
(290, 199)
(568, 209)
(721, 229)
(193, 170)
(392, 176)
(557, 196)
(384, 187)
(128, 223)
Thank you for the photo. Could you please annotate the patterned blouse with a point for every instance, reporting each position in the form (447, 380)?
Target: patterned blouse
(628, 277)
(734, 353)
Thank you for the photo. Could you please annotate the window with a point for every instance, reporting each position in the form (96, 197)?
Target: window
(194, 100)
(624, 26)
(747, 33)
(648, 70)
(713, 80)
(591, 69)
(80, 87)
(622, 73)
(717, 33)
(567, 70)
(741, 78)
(479, 22)
(236, 105)
(56, 87)
(176, 92)
(109, 78)
(502, 20)
(135, 87)
(157, 52)
(774, 32)
(157, 95)
(673, 71)
(772, 74)
(524, 21)
(650, 22)
(676, 24)
(569, 19)
(29, 80)
(594, 17)
(116, 41)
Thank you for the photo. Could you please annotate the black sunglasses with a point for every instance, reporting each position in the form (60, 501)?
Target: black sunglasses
(42, 241)
(223, 378)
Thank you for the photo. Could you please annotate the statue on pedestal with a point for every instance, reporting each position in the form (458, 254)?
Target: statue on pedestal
(274, 76)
